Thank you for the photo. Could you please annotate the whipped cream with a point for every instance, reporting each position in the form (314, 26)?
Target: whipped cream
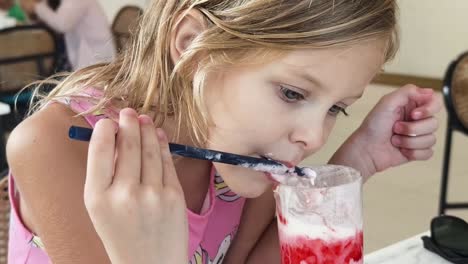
(273, 169)
(292, 179)
(325, 204)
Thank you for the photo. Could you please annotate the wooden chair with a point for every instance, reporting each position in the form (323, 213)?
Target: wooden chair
(27, 54)
(456, 101)
(4, 219)
(124, 23)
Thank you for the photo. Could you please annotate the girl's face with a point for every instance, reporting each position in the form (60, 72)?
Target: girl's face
(285, 109)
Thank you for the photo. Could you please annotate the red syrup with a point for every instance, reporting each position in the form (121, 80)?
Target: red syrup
(303, 250)
(282, 219)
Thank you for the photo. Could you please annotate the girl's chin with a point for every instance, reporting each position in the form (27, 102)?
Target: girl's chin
(245, 182)
(252, 192)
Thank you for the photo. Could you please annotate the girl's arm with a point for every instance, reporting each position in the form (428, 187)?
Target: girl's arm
(66, 17)
(49, 171)
(267, 250)
(250, 242)
(137, 206)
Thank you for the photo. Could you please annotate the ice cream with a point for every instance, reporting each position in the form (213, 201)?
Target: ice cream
(292, 179)
(316, 244)
(320, 217)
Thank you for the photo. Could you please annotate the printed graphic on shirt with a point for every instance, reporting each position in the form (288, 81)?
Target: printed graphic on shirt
(223, 192)
(201, 256)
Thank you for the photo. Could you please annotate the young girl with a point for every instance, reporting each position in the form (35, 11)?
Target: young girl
(253, 77)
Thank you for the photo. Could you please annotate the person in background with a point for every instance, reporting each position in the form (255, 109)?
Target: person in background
(88, 37)
(10, 14)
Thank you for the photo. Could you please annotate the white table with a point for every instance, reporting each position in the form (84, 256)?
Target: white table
(409, 251)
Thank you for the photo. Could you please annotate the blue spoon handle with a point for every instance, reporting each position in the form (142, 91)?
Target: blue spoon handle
(265, 165)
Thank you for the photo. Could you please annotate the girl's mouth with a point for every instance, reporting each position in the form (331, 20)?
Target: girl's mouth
(286, 163)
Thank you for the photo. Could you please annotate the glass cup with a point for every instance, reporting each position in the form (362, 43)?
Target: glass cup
(321, 222)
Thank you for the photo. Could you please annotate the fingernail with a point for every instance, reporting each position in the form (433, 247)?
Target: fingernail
(129, 112)
(396, 141)
(145, 120)
(417, 114)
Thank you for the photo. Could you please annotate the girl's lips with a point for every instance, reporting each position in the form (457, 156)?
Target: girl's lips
(287, 163)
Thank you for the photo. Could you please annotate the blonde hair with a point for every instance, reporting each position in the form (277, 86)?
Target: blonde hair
(144, 77)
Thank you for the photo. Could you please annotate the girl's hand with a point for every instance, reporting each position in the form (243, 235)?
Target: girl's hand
(400, 128)
(132, 193)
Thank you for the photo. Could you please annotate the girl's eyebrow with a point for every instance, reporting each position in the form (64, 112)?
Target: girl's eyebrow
(316, 82)
(310, 78)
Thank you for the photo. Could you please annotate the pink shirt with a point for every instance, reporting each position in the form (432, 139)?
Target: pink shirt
(210, 232)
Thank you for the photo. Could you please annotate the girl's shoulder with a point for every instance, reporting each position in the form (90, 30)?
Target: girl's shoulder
(42, 138)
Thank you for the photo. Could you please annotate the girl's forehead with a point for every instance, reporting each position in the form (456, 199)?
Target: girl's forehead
(334, 68)
(313, 56)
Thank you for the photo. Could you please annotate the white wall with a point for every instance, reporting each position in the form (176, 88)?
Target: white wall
(433, 32)
(111, 7)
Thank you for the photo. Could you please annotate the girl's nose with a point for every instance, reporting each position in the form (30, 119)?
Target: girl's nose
(309, 136)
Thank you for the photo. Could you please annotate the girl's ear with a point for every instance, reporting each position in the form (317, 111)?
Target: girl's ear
(191, 24)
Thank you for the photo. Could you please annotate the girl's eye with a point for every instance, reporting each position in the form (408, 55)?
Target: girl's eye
(290, 95)
(336, 110)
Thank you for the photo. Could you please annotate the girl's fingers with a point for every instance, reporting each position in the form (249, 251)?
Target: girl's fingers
(416, 128)
(128, 163)
(420, 142)
(429, 109)
(101, 154)
(408, 109)
(151, 164)
(169, 175)
(417, 154)
(406, 94)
